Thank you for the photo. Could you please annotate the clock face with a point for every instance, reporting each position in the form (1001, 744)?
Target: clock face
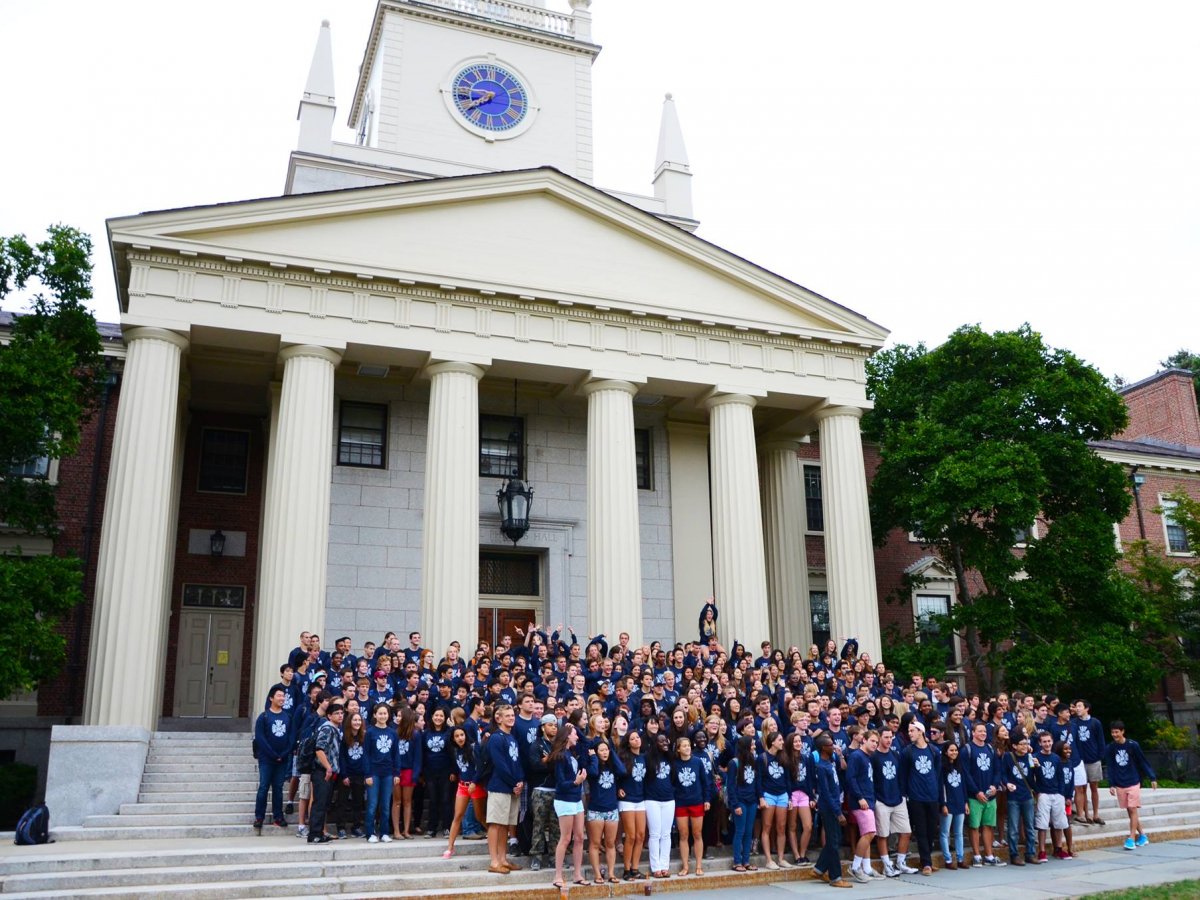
(489, 97)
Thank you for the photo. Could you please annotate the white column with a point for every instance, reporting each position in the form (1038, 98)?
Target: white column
(264, 666)
(783, 539)
(613, 536)
(295, 545)
(849, 552)
(739, 567)
(450, 544)
(125, 660)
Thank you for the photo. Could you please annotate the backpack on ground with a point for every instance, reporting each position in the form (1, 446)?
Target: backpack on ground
(34, 826)
(485, 767)
(306, 754)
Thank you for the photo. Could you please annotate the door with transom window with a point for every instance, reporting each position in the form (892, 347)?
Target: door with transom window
(510, 594)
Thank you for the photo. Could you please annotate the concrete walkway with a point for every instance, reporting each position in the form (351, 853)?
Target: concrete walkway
(1090, 872)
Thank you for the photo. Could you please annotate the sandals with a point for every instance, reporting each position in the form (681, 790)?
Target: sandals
(699, 871)
(581, 882)
(559, 885)
(614, 881)
(739, 868)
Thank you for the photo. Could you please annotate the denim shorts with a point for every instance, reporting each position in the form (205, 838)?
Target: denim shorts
(567, 807)
(779, 801)
(596, 816)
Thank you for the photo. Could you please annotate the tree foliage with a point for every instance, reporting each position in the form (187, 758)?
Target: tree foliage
(49, 371)
(1186, 359)
(980, 438)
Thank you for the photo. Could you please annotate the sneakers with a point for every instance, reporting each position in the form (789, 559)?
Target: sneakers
(372, 840)
(279, 823)
(289, 808)
(1129, 844)
(1067, 854)
(447, 854)
(1142, 840)
(771, 864)
(258, 826)
(860, 876)
(534, 866)
(993, 861)
(784, 864)
(302, 831)
(341, 834)
(871, 873)
(889, 870)
(1041, 857)
(905, 869)
(387, 838)
(977, 862)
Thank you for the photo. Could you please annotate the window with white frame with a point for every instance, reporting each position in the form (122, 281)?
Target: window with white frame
(1177, 540)
(818, 603)
(928, 610)
(1025, 535)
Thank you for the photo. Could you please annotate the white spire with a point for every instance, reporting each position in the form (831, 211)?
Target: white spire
(670, 138)
(672, 174)
(317, 106)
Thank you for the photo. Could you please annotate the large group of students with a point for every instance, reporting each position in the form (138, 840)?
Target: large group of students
(545, 745)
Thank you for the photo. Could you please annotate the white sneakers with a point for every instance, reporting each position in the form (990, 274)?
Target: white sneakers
(890, 870)
(387, 838)
(372, 840)
(905, 869)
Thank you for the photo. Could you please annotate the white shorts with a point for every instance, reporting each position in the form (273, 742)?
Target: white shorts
(891, 820)
(1080, 774)
(1051, 812)
(624, 807)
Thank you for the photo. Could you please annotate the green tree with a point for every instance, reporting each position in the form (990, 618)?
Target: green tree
(1186, 359)
(49, 371)
(980, 438)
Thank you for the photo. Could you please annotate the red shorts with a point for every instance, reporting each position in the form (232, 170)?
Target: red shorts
(690, 812)
(471, 791)
(406, 778)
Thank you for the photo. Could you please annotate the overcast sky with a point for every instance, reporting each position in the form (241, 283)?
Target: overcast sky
(927, 164)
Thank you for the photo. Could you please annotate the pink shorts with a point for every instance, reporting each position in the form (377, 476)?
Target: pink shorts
(799, 800)
(472, 791)
(406, 778)
(1130, 797)
(864, 819)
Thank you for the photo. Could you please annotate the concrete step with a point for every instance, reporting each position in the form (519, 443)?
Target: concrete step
(184, 811)
(172, 736)
(206, 764)
(174, 781)
(217, 796)
(202, 819)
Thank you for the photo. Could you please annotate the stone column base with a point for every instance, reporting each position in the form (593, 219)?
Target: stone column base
(93, 769)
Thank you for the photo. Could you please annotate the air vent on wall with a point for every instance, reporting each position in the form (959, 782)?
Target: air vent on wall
(370, 371)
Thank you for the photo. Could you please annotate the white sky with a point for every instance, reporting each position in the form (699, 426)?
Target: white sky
(927, 164)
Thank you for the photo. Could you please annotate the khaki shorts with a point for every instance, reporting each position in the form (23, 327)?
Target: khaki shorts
(1095, 772)
(304, 790)
(891, 819)
(1051, 812)
(503, 809)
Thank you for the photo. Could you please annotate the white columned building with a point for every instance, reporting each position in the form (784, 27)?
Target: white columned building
(352, 347)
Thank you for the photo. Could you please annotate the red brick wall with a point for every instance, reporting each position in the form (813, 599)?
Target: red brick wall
(63, 696)
(207, 512)
(1164, 408)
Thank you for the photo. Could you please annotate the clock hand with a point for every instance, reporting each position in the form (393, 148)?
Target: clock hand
(487, 98)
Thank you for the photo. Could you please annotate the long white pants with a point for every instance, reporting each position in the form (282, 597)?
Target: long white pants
(660, 817)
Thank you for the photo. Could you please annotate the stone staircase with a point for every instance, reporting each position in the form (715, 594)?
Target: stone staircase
(190, 835)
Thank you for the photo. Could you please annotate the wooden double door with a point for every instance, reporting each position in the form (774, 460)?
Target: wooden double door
(497, 621)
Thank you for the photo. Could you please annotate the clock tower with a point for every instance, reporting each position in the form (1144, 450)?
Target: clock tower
(463, 87)
(456, 87)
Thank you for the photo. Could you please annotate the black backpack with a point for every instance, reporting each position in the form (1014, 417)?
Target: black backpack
(33, 826)
(306, 754)
(483, 771)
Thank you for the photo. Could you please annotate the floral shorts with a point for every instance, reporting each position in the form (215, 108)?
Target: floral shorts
(596, 816)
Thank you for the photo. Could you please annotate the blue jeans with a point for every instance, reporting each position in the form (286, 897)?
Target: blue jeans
(830, 861)
(952, 823)
(743, 833)
(470, 824)
(271, 776)
(1020, 813)
(379, 804)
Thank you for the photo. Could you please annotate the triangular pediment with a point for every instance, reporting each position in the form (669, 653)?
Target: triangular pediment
(532, 233)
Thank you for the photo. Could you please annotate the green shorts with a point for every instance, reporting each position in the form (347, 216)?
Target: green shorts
(981, 813)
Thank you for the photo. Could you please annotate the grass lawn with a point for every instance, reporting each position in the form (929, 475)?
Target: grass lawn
(1180, 890)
